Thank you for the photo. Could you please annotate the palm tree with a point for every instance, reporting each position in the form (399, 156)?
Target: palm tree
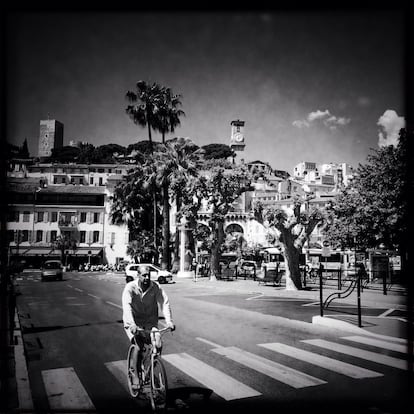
(145, 106)
(144, 111)
(169, 113)
(179, 160)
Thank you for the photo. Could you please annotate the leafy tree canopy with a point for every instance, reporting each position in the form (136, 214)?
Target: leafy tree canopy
(217, 151)
(374, 209)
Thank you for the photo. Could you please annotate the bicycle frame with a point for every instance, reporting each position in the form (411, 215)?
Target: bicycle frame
(145, 370)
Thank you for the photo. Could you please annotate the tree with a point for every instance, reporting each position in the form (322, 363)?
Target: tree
(373, 210)
(217, 151)
(132, 203)
(293, 229)
(145, 106)
(65, 154)
(169, 113)
(173, 166)
(220, 188)
(24, 150)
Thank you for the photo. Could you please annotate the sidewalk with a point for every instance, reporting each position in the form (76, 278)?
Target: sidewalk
(384, 325)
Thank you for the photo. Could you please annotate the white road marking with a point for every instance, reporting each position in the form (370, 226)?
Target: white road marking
(279, 372)
(119, 370)
(65, 391)
(331, 364)
(96, 297)
(387, 312)
(256, 297)
(222, 384)
(359, 353)
(378, 343)
(113, 304)
(79, 290)
(213, 344)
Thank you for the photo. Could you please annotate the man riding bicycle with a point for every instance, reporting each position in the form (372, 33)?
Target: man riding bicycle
(140, 300)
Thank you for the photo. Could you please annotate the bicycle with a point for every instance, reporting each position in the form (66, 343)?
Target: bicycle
(149, 370)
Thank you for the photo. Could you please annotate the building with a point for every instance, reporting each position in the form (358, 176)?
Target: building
(63, 211)
(50, 137)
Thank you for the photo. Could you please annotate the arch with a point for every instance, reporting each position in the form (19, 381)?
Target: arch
(234, 228)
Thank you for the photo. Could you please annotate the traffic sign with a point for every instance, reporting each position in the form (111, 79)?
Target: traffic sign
(325, 243)
(326, 251)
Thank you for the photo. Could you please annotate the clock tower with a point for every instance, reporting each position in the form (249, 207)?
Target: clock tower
(237, 143)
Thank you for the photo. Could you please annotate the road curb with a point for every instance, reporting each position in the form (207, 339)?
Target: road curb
(346, 326)
(24, 393)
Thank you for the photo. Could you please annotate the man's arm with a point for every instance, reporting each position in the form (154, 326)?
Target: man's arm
(164, 303)
(127, 316)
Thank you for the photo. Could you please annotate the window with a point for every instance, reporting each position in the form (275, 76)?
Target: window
(26, 216)
(54, 217)
(10, 236)
(82, 237)
(100, 181)
(53, 236)
(96, 217)
(101, 170)
(25, 235)
(95, 236)
(91, 181)
(39, 236)
(40, 216)
(83, 215)
(12, 216)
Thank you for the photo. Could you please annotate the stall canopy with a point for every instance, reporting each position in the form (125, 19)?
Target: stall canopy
(34, 251)
(47, 251)
(84, 251)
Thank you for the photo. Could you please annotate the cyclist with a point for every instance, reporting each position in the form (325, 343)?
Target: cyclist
(140, 300)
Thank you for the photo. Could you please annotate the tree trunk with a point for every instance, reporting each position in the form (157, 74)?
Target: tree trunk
(292, 262)
(165, 261)
(176, 261)
(218, 232)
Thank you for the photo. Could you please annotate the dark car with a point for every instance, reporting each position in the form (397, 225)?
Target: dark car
(52, 269)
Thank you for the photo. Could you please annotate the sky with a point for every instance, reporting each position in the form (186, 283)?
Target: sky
(311, 85)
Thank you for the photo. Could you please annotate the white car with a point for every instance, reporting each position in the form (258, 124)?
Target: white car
(157, 274)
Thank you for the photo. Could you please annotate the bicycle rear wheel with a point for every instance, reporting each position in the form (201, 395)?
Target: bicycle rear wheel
(159, 386)
(133, 374)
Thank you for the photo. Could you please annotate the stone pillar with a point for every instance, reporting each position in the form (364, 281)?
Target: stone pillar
(185, 261)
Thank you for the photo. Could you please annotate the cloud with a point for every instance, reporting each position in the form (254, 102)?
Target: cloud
(301, 124)
(389, 127)
(318, 115)
(330, 121)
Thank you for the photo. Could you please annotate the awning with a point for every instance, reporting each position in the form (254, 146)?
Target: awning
(33, 251)
(85, 252)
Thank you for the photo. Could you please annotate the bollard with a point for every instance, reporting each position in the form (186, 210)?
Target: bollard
(359, 298)
(320, 290)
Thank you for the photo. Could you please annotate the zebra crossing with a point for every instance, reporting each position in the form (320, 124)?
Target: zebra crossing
(65, 390)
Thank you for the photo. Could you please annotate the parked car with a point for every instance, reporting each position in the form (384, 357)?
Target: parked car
(52, 269)
(161, 276)
(248, 269)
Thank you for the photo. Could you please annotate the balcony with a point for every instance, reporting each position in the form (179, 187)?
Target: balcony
(68, 220)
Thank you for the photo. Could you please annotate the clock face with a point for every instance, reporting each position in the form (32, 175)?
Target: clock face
(238, 137)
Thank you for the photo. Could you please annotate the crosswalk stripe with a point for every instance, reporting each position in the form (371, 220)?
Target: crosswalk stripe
(222, 384)
(359, 353)
(279, 372)
(331, 364)
(65, 391)
(119, 370)
(378, 343)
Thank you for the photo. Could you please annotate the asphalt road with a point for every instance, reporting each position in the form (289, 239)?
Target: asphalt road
(249, 352)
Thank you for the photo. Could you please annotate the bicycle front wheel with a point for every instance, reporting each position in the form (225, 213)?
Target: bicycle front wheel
(159, 386)
(132, 371)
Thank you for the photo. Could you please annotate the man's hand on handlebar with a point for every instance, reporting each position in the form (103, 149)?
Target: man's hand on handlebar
(171, 326)
(135, 329)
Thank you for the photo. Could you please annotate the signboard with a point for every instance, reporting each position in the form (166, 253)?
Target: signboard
(326, 251)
